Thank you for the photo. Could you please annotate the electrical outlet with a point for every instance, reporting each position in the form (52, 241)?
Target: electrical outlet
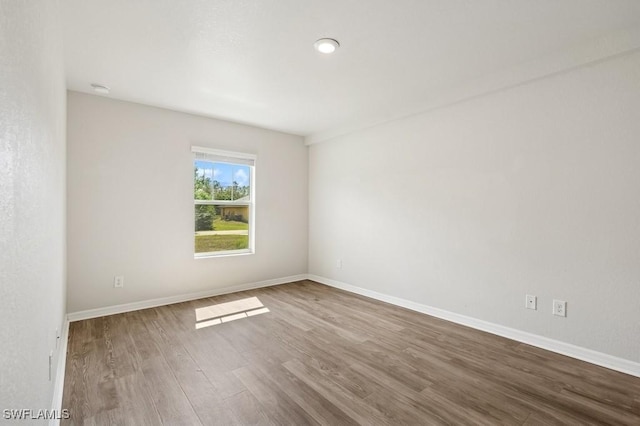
(559, 308)
(531, 302)
(339, 264)
(118, 281)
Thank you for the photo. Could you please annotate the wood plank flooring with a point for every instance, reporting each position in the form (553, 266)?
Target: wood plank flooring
(324, 356)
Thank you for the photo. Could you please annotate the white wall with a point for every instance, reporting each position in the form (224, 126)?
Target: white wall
(130, 203)
(468, 208)
(32, 200)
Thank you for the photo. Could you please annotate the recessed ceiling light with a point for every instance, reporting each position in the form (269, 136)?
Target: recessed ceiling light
(326, 45)
(99, 88)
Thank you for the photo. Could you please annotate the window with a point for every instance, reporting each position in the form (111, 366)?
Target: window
(223, 193)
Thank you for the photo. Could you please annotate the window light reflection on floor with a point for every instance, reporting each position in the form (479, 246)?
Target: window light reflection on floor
(229, 311)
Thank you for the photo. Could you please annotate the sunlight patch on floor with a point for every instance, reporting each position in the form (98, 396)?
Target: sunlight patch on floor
(229, 311)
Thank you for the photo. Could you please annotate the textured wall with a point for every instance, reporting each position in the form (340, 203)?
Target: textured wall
(533, 190)
(32, 200)
(130, 203)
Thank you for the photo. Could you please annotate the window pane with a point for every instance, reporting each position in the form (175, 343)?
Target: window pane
(221, 228)
(222, 181)
(203, 180)
(241, 184)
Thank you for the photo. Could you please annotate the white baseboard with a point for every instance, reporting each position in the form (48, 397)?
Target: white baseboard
(584, 354)
(58, 386)
(152, 303)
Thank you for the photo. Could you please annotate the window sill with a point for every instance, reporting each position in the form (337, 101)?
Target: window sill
(226, 253)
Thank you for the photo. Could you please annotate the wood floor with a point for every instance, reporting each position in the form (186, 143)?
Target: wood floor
(323, 356)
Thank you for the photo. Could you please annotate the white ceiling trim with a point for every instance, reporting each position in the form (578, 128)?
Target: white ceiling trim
(617, 44)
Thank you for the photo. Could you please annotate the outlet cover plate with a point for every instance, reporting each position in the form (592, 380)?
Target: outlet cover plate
(118, 281)
(559, 308)
(531, 302)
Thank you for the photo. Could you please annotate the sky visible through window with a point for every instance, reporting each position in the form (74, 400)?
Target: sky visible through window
(224, 173)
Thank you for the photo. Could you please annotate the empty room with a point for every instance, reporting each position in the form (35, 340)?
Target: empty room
(284, 212)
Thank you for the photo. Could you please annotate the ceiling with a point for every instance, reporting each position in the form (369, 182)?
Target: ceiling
(252, 61)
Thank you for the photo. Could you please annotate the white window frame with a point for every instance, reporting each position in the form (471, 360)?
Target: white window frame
(228, 157)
